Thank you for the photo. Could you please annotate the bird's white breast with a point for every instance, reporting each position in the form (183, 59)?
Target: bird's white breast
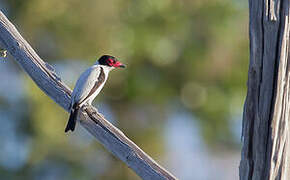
(81, 93)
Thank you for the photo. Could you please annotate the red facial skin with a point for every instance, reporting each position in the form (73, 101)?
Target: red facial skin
(115, 63)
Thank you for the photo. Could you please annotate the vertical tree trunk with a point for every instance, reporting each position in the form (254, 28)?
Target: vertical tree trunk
(266, 146)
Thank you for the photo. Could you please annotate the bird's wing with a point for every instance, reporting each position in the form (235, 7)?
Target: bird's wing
(85, 84)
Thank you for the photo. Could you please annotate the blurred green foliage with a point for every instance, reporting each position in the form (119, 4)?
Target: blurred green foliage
(191, 54)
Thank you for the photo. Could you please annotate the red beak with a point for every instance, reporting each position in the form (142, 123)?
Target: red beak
(118, 64)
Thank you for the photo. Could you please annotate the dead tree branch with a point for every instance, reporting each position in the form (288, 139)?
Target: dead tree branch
(47, 80)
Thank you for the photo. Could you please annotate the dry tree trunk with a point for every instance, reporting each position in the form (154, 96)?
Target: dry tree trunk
(266, 148)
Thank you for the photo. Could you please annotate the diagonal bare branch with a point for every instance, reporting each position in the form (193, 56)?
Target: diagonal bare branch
(47, 80)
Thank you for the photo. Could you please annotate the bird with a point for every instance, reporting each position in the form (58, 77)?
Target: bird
(89, 85)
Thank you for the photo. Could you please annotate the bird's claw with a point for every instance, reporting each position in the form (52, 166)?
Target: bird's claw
(85, 106)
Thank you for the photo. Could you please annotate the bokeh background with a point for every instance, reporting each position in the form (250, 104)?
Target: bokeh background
(180, 97)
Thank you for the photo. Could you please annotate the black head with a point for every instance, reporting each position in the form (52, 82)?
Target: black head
(110, 61)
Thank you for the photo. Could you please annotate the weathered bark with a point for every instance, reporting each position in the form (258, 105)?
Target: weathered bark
(46, 78)
(266, 148)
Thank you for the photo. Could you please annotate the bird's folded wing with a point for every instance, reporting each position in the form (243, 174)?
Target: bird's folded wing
(85, 84)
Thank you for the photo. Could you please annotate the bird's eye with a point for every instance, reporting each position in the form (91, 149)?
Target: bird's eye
(110, 62)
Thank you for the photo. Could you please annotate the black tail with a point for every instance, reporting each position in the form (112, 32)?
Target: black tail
(71, 124)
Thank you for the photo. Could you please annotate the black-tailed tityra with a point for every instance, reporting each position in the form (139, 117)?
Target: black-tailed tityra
(89, 85)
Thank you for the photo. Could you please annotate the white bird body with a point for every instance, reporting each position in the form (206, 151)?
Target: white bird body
(89, 85)
(86, 83)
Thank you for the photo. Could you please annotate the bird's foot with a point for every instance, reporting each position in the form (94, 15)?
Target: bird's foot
(94, 113)
(85, 106)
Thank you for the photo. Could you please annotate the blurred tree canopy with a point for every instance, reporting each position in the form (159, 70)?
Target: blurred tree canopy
(191, 54)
